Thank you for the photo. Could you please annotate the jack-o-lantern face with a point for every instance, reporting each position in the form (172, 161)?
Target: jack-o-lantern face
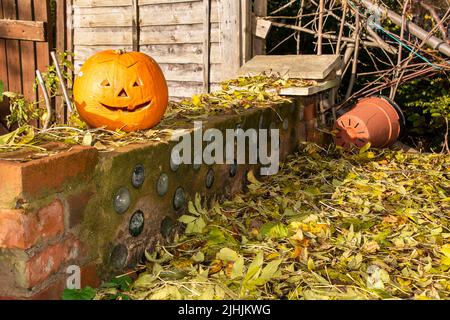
(119, 90)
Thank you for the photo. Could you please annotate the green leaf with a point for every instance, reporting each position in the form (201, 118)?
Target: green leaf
(255, 267)
(274, 230)
(83, 294)
(270, 269)
(238, 268)
(145, 280)
(123, 283)
(216, 236)
(365, 148)
(196, 226)
(198, 257)
(227, 255)
(186, 219)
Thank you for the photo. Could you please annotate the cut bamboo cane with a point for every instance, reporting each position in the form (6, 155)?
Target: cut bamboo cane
(46, 99)
(61, 81)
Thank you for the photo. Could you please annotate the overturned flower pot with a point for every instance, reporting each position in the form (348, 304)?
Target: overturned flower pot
(375, 120)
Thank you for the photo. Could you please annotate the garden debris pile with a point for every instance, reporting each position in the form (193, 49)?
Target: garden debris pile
(331, 225)
(236, 96)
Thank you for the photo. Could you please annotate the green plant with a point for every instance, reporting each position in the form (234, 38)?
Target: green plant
(83, 294)
(51, 77)
(21, 110)
(426, 103)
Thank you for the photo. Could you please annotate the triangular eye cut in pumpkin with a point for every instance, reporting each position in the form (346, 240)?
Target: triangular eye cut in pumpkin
(120, 107)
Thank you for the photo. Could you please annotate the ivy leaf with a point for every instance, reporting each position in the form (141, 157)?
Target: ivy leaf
(83, 294)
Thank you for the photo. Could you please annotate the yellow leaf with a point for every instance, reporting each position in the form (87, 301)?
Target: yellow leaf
(365, 148)
(252, 179)
(311, 265)
(196, 101)
(446, 250)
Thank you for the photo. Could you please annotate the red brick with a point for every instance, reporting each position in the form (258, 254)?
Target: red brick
(20, 230)
(48, 262)
(51, 220)
(46, 175)
(14, 229)
(76, 206)
(53, 291)
(90, 276)
(11, 183)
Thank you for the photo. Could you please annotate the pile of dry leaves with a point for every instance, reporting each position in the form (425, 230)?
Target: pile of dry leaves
(331, 225)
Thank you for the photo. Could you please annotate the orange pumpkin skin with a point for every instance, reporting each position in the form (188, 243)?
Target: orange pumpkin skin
(121, 90)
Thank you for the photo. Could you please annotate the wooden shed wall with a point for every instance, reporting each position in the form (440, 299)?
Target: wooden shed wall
(173, 32)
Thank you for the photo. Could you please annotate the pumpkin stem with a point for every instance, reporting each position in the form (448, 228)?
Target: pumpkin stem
(120, 51)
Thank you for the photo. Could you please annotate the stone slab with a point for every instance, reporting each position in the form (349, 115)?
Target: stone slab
(311, 67)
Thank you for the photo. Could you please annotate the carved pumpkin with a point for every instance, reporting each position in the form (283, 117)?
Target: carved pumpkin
(121, 90)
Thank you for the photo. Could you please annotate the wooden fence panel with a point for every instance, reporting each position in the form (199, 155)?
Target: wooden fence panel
(25, 43)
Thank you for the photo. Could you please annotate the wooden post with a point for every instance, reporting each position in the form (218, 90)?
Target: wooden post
(260, 10)
(135, 25)
(207, 46)
(246, 30)
(230, 37)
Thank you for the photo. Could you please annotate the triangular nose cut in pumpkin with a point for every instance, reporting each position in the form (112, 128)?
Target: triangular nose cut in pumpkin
(123, 94)
(106, 84)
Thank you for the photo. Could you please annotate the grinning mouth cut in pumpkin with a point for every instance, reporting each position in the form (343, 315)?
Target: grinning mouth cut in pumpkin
(125, 109)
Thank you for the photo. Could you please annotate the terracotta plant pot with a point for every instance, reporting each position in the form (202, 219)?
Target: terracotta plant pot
(377, 120)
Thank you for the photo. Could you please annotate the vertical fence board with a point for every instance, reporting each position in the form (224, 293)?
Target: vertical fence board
(3, 59)
(207, 46)
(231, 38)
(27, 53)
(3, 75)
(13, 50)
(42, 13)
(61, 46)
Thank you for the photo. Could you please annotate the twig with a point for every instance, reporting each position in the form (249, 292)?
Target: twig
(400, 52)
(341, 29)
(320, 38)
(436, 18)
(355, 59)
